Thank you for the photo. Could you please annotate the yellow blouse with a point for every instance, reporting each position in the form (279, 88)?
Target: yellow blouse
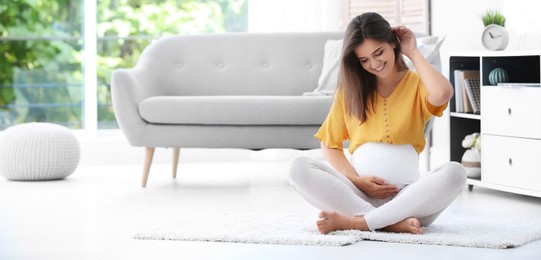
(398, 119)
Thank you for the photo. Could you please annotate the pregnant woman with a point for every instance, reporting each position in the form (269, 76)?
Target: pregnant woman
(381, 108)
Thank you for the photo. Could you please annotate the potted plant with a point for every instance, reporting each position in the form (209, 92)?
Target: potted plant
(494, 36)
(493, 17)
(472, 156)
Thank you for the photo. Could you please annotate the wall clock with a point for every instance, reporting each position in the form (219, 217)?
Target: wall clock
(495, 37)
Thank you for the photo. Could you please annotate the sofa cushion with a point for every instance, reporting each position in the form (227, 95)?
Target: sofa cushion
(235, 63)
(328, 79)
(430, 48)
(236, 110)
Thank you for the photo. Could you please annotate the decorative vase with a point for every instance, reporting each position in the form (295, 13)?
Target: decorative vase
(471, 160)
(498, 75)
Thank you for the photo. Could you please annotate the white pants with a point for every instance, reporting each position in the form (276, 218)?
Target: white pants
(327, 189)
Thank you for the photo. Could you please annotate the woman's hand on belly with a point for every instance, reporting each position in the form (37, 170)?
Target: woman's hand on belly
(375, 187)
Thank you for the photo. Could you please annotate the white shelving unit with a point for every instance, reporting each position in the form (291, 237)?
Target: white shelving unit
(509, 123)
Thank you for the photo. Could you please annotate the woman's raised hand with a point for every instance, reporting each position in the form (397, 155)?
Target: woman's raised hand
(408, 43)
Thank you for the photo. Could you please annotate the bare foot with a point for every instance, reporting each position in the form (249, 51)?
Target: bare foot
(332, 221)
(409, 225)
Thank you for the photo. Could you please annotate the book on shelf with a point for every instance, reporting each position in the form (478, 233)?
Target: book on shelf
(473, 91)
(465, 99)
(463, 103)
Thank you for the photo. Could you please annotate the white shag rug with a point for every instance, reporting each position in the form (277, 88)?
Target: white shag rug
(259, 228)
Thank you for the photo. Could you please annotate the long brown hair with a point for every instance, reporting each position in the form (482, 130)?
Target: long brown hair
(356, 84)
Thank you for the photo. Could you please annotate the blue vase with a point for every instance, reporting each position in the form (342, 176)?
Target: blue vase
(498, 75)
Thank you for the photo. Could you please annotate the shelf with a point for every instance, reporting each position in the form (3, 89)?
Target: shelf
(479, 183)
(523, 69)
(465, 115)
(476, 54)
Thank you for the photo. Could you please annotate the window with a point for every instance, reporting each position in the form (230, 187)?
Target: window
(412, 13)
(47, 47)
(40, 68)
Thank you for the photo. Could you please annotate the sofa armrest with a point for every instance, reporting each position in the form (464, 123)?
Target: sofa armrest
(127, 91)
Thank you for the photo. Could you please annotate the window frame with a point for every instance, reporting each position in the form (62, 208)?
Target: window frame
(397, 12)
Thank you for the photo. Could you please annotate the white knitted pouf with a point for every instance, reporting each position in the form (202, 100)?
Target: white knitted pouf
(38, 151)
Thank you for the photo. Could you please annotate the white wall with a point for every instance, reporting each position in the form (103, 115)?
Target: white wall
(460, 22)
(293, 15)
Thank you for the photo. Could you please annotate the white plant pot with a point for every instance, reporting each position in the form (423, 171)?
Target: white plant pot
(472, 162)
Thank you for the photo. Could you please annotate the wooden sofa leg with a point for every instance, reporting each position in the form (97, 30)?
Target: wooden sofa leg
(149, 154)
(176, 154)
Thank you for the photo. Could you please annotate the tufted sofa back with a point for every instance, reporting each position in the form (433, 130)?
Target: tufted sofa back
(235, 63)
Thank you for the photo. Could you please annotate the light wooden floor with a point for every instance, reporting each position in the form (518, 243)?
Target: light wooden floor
(94, 213)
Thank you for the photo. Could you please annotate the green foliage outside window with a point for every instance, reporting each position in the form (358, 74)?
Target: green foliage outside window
(42, 48)
(35, 71)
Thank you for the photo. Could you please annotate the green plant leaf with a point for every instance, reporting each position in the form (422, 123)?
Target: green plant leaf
(493, 17)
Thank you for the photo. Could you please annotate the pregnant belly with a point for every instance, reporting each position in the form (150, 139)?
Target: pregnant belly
(397, 164)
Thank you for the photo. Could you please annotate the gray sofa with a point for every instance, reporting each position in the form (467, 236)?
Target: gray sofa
(240, 90)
